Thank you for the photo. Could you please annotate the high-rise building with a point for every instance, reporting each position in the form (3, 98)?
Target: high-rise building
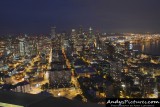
(73, 33)
(53, 32)
(74, 39)
(22, 46)
(56, 40)
(26, 45)
(90, 32)
(80, 30)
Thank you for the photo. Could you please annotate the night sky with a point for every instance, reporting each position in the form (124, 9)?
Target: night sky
(37, 16)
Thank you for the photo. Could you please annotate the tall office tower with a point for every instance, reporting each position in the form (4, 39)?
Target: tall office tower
(53, 43)
(22, 46)
(98, 42)
(73, 33)
(53, 32)
(32, 46)
(15, 47)
(80, 30)
(74, 39)
(56, 44)
(2, 47)
(9, 42)
(90, 32)
(27, 52)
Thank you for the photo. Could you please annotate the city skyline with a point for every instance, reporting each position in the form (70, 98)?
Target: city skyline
(107, 16)
(79, 53)
(86, 67)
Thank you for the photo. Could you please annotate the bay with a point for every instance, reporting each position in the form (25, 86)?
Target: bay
(148, 47)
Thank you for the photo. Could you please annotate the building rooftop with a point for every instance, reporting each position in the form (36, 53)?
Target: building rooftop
(85, 70)
(79, 62)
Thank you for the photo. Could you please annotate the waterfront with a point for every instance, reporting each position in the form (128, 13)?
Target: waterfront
(149, 47)
(75, 68)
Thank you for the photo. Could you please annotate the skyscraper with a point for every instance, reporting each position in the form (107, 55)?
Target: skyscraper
(53, 32)
(80, 30)
(90, 32)
(22, 46)
(74, 39)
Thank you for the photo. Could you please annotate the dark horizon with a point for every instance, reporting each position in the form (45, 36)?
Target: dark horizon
(38, 16)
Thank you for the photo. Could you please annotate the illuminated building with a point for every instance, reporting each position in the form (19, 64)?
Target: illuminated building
(80, 30)
(15, 48)
(56, 44)
(22, 87)
(22, 46)
(74, 39)
(90, 32)
(53, 32)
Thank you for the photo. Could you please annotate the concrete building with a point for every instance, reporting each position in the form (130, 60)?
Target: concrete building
(23, 87)
(22, 46)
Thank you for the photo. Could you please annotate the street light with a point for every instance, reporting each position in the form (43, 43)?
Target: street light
(59, 94)
(123, 85)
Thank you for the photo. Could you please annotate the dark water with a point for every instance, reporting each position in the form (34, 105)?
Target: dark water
(150, 47)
